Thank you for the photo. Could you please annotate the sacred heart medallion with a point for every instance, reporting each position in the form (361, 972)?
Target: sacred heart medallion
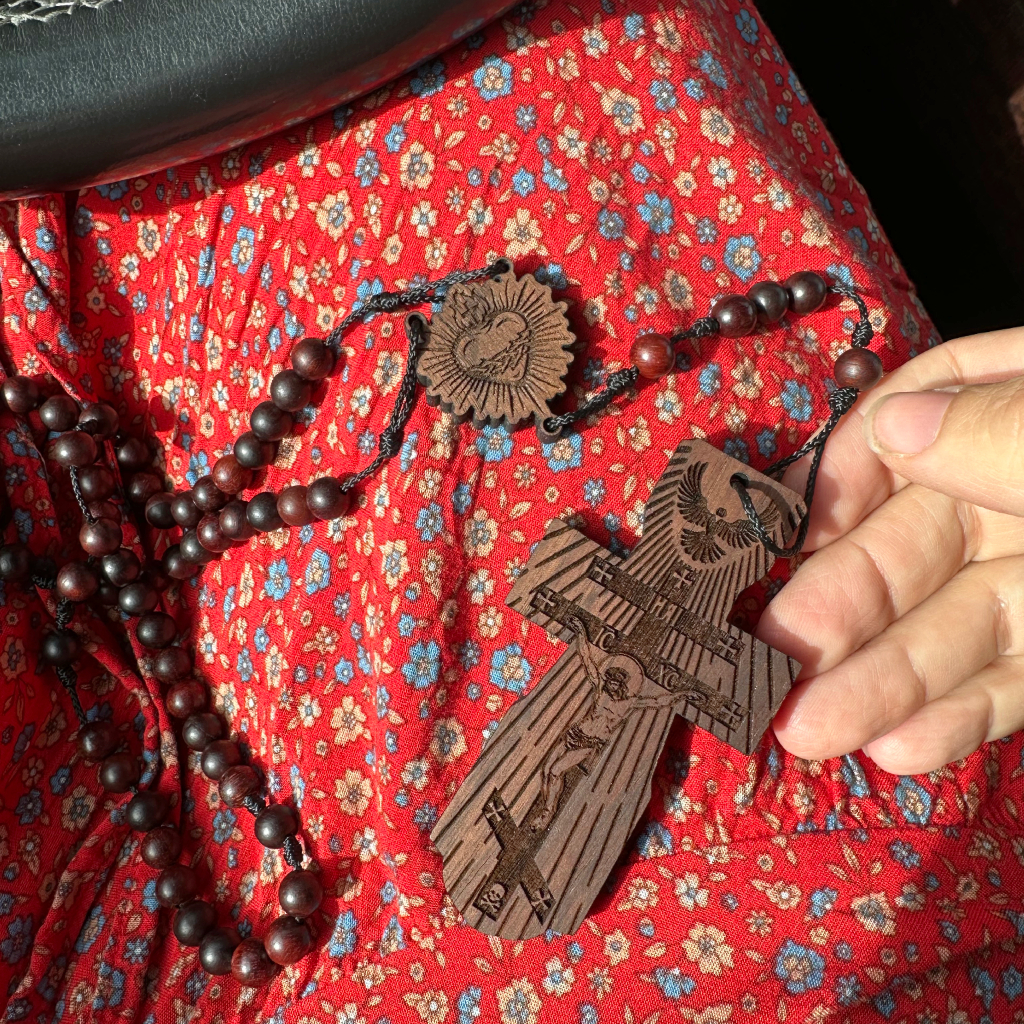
(497, 351)
(535, 829)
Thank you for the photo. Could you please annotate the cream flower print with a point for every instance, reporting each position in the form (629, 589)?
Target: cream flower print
(347, 719)
(716, 127)
(707, 948)
(423, 217)
(353, 792)
(394, 562)
(519, 1003)
(523, 234)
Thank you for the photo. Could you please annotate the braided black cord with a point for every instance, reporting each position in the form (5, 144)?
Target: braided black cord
(255, 805)
(62, 618)
(705, 327)
(76, 488)
(293, 852)
(618, 382)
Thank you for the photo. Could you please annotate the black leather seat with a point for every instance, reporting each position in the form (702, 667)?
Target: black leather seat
(98, 90)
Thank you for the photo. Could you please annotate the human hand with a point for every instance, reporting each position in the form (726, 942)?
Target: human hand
(909, 618)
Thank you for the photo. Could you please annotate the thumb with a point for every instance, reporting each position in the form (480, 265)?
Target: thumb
(967, 442)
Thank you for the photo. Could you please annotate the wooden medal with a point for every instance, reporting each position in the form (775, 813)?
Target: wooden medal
(497, 351)
(535, 829)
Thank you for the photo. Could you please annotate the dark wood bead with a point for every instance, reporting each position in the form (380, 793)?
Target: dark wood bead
(21, 394)
(107, 594)
(133, 454)
(184, 699)
(96, 483)
(162, 847)
(233, 523)
(184, 510)
(770, 300)
(100, 538)
(288, 940)
(96, 740)
(230, 475)
(210, 536)
(312, 359)
(325, 498)
(176, 884)
(291, 506)
(15, 563)
(155, 575)
(300, 893)
(207, 496)
(104, 510)
(138, 598)
(735, 314)
(176, 565)
(73, 448)
(269, 423)
(274, 825)
(121, 567)
(653, 355)
(158, 510)
(192, 922)
(807, 291)
(262, 512)
(146, 810)
(100, 420)
(237, 783)
(155, 630)
(218, 757)
(143, 486)
(118, 773)
(250, 964)
(216, 948)
(252, 452)
(77, 581)
(59, 412)
(172, 664)
(200, 730)
(60, 647)
(858, 368)
(289, 392)
(192, 550)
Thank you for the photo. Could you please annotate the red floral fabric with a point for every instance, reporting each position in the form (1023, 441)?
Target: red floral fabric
(641, 158)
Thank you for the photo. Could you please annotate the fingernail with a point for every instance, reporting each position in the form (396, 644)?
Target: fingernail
(906, 423)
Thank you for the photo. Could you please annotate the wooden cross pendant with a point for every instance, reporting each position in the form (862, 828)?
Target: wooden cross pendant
(535, 829)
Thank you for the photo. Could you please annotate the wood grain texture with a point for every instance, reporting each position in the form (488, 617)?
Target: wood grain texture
(532, 834)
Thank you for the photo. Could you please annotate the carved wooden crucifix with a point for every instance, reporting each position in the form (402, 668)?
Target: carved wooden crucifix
(533, 832)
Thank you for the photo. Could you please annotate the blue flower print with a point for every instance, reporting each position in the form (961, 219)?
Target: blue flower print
(747, 24)
(610, 224)
(766, 445)
(673, 983)
(664, 93)
(742, 257)
(801, 969)
(848, 990)
(798, 89)
(914, 801)
(428, 78)
(430, 522)
(18, 940)
(526, 118)
(394, 138)
(462, 498)
(707, 231)
(45, 239)
(494, 443)
(656, 211)
(318, 572)
(553, 275)
(822, 901)
(510, 670)
(694, 88)
(796, 400)
(223, 825)
(278, 581)
(709, 380)
(493, 78)
(207, 267)
(523, 182)
(712, 67)
(469, 1005)
(565, 453)
(343, 938)
(367, 169)
(421, 669)
(343, 671)
(243, 249)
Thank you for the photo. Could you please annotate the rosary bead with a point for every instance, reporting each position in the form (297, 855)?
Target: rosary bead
(175, 885)
(858, 368)
(121, 567)
(176, 565)
(192, 549)
(96, 740)
(107, 594)
(21, 394)
(193, 921)
(59, 412)
(143, 486)
(185, 699)
(653, 355)
(77, 581)
(288, 940)
(96, 483)
(233, 523)
(312, 359)
(216, 948)
(218, 757)
(291, 506)
(325, 498)
(145, 811)
(73, 448)
(104, 510)
(208, 497)
(735, 314)
(155, 630)
(158, 510)
(100, 538)
(118, 773)
(172, 664)
(210, 536)
(200, 730)
(269, 423)
(252, 452)
(262, 512)
(60, 647)
(230, 475)
(133, 455)
(184, 510)
(250, 965)
(289, 392)
(137, 599)
(300, 893)
(274, 825)
(100, 420)
(161, 847)
(770, 300)
(155, 575)
(807, 291)
(237, 783)
(15, 562)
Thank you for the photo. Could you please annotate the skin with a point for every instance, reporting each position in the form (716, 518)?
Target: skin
(909, 617)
